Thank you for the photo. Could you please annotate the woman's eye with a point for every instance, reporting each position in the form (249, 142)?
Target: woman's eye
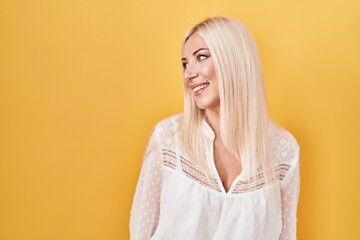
(202, 57)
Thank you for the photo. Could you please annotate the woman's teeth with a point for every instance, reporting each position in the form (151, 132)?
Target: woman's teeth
(200, 87)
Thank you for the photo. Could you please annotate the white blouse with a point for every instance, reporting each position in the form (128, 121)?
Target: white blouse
(175, 201)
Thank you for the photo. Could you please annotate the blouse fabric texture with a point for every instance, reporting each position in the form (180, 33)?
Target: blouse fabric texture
(174, 200)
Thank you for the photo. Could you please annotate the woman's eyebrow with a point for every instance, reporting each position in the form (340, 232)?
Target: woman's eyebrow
(199, 50)
(184, 59)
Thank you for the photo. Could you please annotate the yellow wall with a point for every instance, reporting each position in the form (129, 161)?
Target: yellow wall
(82, 82)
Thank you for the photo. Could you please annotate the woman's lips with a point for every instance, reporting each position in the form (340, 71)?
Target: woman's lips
(198, 89)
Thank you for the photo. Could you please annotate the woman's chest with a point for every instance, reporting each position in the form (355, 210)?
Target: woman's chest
(197, 212)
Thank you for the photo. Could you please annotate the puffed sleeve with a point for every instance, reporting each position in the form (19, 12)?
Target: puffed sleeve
(145, 209)
(290, 189)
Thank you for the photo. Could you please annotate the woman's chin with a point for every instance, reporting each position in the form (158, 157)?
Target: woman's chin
(204, 106)
(201, 105)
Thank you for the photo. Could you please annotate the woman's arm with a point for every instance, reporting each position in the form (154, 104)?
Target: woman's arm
(290, 189)
(145, 209)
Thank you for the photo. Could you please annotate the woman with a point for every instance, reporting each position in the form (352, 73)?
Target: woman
(222, 169)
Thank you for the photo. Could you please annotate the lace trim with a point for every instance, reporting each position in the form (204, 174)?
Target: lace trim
(258, 182)
(195, 173)
(169, 158)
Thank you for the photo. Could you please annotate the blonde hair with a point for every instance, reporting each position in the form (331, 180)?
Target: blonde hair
(244, 117)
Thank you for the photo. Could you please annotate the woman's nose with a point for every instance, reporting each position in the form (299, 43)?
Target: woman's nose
(189, 73)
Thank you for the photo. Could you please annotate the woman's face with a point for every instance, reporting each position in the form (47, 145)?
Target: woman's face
(199, 73)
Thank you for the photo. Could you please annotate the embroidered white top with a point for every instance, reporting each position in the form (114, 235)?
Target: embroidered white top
(174, 200)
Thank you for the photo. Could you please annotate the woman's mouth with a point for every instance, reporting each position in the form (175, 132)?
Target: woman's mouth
(199, 89)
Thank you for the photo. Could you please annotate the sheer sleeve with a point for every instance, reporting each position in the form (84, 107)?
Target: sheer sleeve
(145, 209)
(290, 189)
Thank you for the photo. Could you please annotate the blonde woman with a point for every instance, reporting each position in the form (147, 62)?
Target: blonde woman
(222, 169)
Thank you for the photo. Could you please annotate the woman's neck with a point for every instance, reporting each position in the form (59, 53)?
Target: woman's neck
(213, 118)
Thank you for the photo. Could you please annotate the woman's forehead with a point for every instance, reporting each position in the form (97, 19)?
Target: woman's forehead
(194, 42)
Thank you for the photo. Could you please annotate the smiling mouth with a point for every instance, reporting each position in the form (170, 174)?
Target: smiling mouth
(200, 87)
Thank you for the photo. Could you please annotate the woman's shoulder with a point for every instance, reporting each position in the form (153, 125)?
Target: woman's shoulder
(169, 127)
(170, 124)
(285, 146)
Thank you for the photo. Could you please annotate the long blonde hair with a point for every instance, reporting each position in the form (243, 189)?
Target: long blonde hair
(244, 117)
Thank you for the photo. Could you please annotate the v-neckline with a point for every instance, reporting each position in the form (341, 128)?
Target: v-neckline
(211, 137)
(217, 175)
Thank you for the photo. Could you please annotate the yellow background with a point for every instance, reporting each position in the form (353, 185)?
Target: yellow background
(82, 83)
